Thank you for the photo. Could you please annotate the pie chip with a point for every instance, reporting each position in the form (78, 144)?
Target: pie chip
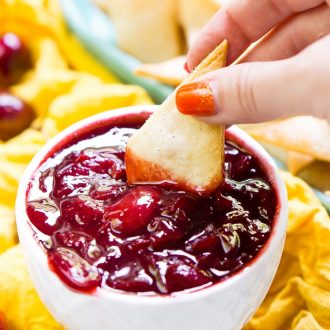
(305, 134)
(170, 72)
(194, 14)
(296, 161)
(177, 148)
(146, 29)
(317, 174)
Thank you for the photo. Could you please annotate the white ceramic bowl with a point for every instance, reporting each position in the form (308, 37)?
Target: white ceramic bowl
(226, 305)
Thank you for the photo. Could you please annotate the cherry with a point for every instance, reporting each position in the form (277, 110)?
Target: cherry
(231, 238)
(179, 207)
(44, 216)
(134, 279)
(81, 210)
(70, 178)
(15, 115)
(82, 243)
(134, 210)
(77, 174)
(176, 274)
(181, 276)
(102, 161)
(223, 202)
(204, 242)
(138, 244)
(74, 270)
(164, 233)
(15, 59)
(107, 189)
(73, 240)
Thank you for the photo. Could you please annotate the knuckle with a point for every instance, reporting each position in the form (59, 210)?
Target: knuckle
(246, 93)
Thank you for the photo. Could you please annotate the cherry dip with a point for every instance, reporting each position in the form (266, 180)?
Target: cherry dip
(99, 231)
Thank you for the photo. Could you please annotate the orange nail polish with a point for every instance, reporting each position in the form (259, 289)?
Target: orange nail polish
(195, 99)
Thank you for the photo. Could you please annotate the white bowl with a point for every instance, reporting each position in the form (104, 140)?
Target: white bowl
(226, 305)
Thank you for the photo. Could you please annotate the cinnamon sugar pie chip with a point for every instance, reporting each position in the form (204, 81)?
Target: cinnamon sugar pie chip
(305, 134)
(169, 72)
(146, 29)
(178, 148)
(194, 14)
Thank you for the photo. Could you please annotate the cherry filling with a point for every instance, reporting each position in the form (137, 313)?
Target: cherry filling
(100, 231)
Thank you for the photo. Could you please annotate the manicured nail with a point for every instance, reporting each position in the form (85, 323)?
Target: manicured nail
(186, 67)
(195, 99)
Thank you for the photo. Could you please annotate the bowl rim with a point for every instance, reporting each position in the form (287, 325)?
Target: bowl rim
(25, 231)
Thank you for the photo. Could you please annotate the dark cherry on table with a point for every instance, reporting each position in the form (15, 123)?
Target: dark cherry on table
(99, 231)
(15, 59)
(15, 115)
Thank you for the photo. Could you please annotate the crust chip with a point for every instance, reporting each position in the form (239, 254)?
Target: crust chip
(177, 148)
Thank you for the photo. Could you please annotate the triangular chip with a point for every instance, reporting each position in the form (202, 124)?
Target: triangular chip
(194, 14)
(169, 72)
(317, 174)
(305, 134)
(174, 147)
(146, 29)
(296, 161)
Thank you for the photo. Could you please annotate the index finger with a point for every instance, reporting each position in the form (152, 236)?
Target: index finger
(242, 22)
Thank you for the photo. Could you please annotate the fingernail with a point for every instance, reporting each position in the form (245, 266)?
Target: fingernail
(195, 99)
(185, 66)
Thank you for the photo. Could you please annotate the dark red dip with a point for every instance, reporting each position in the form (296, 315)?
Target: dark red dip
(99, 231)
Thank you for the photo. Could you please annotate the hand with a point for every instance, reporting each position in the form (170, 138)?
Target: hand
(291, 80)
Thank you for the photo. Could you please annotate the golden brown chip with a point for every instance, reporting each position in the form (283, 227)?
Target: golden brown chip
(194, 14)
(169, 72)
(146, 29)
(178, 148)
(296, 161)
(307, 135)
(317, 174)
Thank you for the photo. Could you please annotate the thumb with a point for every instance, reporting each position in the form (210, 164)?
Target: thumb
(245, 93)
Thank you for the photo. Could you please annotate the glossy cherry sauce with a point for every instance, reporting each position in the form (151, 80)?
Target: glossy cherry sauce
(101, 232)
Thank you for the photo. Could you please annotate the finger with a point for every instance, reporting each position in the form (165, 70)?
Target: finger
(236, 94)
(293, 36)
(262, 91)
(243, 22)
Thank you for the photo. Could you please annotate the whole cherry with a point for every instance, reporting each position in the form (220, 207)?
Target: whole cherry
(134, 210)
(15, 59)
(15, 115)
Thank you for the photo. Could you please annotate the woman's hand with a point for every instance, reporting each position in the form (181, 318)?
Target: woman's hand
(290, 73)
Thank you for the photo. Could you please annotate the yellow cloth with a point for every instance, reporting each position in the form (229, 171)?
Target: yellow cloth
(299, 298)
(20, 305)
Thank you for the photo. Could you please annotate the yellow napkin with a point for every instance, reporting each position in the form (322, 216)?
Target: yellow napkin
(20, 305)
(299, 298)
